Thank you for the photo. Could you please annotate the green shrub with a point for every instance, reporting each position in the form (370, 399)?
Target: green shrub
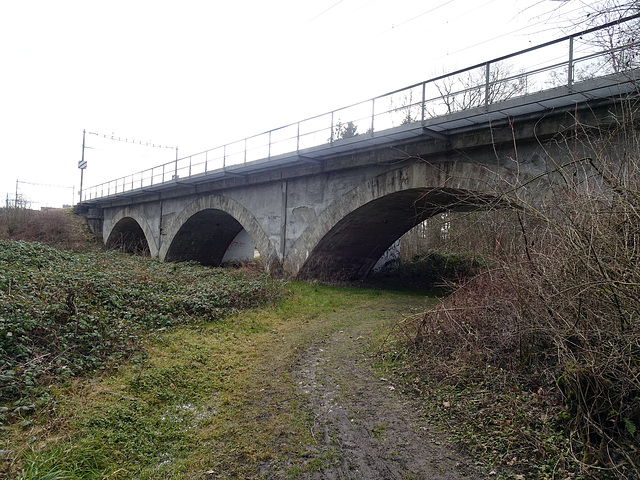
(433, 269)
(63, 314)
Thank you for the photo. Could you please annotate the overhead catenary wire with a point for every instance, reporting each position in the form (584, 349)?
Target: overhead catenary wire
(144, 143)
(420, 15)
(44, 184)
(465, 13)
(488, 40)
(25, 196)
(324, 11)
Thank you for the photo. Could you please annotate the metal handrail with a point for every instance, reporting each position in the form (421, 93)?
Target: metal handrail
(233, 153)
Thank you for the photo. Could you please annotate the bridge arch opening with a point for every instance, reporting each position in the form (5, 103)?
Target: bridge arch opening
(211, 237)
(353, 246)
(128, 236)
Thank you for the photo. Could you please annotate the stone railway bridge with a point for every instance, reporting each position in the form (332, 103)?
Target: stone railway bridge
(333, 210)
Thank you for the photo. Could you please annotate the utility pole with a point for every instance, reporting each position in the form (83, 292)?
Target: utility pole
(82, 165)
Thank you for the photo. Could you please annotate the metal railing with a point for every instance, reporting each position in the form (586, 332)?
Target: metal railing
(592, 53)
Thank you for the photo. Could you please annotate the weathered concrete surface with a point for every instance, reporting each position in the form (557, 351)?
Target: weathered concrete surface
(241, 249)
(336, 216)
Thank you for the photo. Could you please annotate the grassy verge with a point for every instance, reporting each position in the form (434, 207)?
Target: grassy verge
(204, 393)
(64, 315)
(513, 430)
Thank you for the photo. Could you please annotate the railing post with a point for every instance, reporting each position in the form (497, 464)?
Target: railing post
(206, 160)
(189, 167)
(269, 152)
(331, 137)
(245, 150)
(373, 114)
(175, 169)
(570, 67)
(163, 165)
(298, 138)
(424, 100)
(224, 156)
(487, 84)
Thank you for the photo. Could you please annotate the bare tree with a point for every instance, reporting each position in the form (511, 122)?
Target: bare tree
(409, 110)
(619, 43)
(471, 89)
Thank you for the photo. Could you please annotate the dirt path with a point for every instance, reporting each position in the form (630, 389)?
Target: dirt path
(365, 426)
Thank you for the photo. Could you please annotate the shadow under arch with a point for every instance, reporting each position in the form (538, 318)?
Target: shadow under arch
(206, 227)
(346, 240)
(131, 235)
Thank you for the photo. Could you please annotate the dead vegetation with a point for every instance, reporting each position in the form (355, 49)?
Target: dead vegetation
(550, 329)
(57, 228)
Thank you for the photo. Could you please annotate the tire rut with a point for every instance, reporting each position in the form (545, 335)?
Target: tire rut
(362, 425)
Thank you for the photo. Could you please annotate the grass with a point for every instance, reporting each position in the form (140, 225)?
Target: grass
(212, 398)
(209, 393)
(122, 367)
(118, 367)
(513, 431)
(64, 314)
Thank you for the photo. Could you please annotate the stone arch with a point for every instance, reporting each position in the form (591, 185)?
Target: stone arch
(131, 232)
(347, 238)
(204, 229)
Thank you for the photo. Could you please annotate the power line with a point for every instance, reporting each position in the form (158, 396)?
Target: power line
(467, 12)
(324, 11)
(419, 15)
(44, 184)
(126, 140)
(362, 6)
(450, 20)
(492, 39)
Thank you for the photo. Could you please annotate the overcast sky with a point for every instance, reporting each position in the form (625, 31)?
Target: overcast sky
(198, 74)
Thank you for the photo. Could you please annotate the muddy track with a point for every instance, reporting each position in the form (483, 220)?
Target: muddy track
(363, 424)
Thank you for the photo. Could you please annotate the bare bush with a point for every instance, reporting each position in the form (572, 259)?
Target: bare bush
(478, 233)
(56, 228)
(132, 243)
(562, 308)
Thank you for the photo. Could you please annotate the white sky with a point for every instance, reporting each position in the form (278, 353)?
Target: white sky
(198, 74)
